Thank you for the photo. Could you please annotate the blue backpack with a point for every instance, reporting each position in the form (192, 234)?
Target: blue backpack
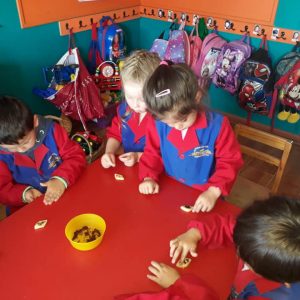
(111, 40)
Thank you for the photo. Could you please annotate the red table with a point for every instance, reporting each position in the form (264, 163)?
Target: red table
(43, 265)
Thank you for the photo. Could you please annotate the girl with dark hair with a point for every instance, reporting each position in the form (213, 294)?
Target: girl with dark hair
(194, 146)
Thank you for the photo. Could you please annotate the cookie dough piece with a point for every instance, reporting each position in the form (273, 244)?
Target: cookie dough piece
(40, 224)
(184, 264)
(119, 177)
(186, 208)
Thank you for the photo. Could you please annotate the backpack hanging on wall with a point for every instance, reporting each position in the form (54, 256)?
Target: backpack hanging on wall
(287, 62)
(94, 56)
(206, 64)
(195, 47)
(111, 40)
(230, 60)
(178, 49)
(160, 44)
(257, 81)
(287, 91)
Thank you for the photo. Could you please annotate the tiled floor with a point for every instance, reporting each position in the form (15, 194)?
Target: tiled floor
(262, 173)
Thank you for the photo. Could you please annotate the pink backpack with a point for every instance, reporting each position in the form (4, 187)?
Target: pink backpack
(205, 66)
(195, 47)
(178, 49)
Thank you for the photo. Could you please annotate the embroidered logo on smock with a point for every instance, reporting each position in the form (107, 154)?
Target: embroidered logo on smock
(201, 151)
(53, 160)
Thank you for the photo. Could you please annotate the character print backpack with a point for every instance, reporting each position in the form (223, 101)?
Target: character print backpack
(111, 40)
(287, 91)
(257, 81)
(178, 49)
(160, 44)
(287, 62)
(206, 64)
(229, 63)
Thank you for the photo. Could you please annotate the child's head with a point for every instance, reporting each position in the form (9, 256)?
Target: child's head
(267, 237)
(136, 69)
(17, 125)
(172, 95)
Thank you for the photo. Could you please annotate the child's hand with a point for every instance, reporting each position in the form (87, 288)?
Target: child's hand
(162, 274)
(55, 188)
(108, 160)
(31, 195)
(184, 244)
(129, 158)
(148, 186)
(207, 200)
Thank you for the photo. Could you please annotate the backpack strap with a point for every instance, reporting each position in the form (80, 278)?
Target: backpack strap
(246, 38)
(263, 43)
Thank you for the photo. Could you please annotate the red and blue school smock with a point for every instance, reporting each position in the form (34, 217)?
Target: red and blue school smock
(53, 154)
(127, 128)
(209, 154)
(217, 231)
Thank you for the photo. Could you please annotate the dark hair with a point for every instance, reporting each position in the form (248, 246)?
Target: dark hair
(183, 86)
(16, 120)
(267, 237)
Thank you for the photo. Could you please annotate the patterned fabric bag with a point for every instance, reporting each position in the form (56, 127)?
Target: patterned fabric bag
(178, 49)
(159, 45)
(229, 63)
(257, 81)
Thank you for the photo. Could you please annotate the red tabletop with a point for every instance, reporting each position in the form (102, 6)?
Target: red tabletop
(43, 265)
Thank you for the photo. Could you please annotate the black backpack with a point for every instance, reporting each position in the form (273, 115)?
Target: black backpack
(257, 82)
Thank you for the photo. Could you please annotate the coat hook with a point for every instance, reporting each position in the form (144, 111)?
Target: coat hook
(187, 18)
(80, 24)
(134, 13)
(262, 32)
(67, 26)
(115, 16)
(152, 13)
(124, 14)
(210, 22)
(282, 36)
(145, 11)
(161, 13)
(92, 21)
(246, 29)
(229, 25)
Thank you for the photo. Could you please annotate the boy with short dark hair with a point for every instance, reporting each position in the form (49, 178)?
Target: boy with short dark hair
(36, 156)
(267, 239)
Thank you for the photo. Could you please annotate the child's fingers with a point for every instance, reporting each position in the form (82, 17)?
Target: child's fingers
(152, 277)
(156, 189)
(193, 252)
(173, 246)
(184, 253)
(176, 254)
(124, 157)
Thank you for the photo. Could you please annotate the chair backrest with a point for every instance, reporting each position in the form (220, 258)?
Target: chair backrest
(63, 120)
(270, 140)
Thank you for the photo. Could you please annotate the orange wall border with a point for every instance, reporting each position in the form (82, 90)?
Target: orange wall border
(136, 12)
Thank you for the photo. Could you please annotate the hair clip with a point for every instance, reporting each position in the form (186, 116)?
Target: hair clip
(163, 93)
(163, 62)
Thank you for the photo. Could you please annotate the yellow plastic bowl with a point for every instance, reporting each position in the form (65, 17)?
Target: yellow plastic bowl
(90, 220)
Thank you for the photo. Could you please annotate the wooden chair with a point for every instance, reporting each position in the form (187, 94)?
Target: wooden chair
(254, 146)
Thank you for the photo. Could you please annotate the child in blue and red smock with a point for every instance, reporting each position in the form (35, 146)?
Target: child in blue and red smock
(36, 156)
(266, 236)
(195, 147)
(128, 127)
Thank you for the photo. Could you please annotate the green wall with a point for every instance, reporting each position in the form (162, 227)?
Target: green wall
(23, 52)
